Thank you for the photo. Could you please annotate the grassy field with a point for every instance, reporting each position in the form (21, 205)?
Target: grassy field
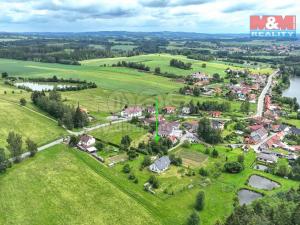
(27, 123)
(116, 79)
(115, 132)
(67, 186)
(163, 61)
(57, 187)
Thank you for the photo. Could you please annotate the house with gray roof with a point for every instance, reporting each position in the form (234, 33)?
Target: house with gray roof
(267, 157)
(160, 165)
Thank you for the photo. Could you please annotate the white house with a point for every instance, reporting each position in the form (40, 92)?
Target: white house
(186, 110)
(130, 112)
(86, 142)
(160, 165)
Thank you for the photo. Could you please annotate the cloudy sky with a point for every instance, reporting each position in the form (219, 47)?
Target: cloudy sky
(205, 16)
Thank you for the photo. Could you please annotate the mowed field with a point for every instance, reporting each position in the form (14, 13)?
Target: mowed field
(27, 123)
(115, 132)
(115, 79)
(163, 61)
(57, 187)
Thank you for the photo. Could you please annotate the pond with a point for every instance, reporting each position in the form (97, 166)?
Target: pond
(40, 87)
(246, 197)
(293, 91)
(262, 183)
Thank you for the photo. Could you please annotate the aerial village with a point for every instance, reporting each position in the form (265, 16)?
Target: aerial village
(258, 128)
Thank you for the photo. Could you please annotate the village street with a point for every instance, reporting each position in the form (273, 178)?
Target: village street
(260, 102)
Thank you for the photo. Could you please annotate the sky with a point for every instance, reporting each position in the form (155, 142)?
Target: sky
(203, 16)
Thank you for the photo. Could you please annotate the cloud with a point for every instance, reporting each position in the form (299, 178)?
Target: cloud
(239, 7)
(171, 3)
(137, 15)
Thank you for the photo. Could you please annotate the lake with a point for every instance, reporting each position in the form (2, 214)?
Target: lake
(246, 196)
(294, 90)
(262, 183)
(40, 87)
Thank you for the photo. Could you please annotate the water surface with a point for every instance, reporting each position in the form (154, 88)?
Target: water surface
(262, 183)
(246, 197)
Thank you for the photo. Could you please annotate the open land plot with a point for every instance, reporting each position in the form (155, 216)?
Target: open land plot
(191, 158)
(27, 123)
(115, 132)
(116, 79)
(57, 187)
(163, 61)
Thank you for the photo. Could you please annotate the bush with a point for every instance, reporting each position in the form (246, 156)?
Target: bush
(99, 145)
(215, 153)
(154, 181)
(233, 167)
(203, 172)
(193, 219)
(200, 199)
(23, 101)
(126, 168)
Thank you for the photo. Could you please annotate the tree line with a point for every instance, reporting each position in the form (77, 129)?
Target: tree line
(15, 148)
(68, 116)
(134, 65)
(180, 64)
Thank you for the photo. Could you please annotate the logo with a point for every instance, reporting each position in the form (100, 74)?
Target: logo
(273, 26)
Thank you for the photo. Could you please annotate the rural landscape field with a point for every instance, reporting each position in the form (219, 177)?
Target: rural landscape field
(103, 127)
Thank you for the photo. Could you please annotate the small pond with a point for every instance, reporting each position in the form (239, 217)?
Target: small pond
(293, 91)
(246, 197)
(262, 183)
(41, 86)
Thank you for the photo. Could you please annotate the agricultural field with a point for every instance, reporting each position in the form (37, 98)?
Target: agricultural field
(58, 187)
(115, 79)
(163, 61)
(28, 123)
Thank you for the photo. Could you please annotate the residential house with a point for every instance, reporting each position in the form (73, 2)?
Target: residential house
(167, 129)
(217, 124)
(160, 165)
(86, 143)
(152, 119)
(130, 112)
(169, 109)
(200, 76)
(295, 131)
(267, 158)
(191, 126)
(252, 98)
(150, 110)
(186, 110)
(215, 114)
(267, 102)
(258, 136)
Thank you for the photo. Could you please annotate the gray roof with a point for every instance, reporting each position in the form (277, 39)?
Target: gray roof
(162, 163)
(268, 157)
(295, 131)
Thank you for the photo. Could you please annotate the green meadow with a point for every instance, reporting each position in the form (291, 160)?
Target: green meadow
(27, 123)
(163, 61)
(58, 187)
(116, 79)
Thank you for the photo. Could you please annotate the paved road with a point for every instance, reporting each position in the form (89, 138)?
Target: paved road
(261, 99)
(41, 148)
(88, 129)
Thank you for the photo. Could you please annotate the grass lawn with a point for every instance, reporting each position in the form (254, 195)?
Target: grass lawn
(115, 132)
(191, 158)
(27, 123)
(57, 187)
(163, 61)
